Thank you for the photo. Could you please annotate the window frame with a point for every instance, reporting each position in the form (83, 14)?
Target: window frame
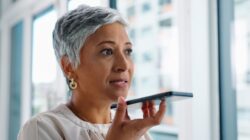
(16, 52)
(207, 85)
(228, 111)
(26, 11)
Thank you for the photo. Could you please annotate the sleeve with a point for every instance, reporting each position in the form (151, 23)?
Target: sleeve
(38, 129)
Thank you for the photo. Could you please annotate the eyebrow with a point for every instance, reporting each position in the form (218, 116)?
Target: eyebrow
(112, 42)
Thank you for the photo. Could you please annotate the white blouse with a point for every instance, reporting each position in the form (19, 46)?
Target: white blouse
(62, 124)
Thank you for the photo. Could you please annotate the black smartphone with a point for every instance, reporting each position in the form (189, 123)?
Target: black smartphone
(169, 96)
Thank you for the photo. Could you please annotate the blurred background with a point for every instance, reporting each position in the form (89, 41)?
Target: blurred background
(199, 46)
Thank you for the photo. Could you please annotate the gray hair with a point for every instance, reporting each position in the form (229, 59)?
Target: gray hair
(72, 30)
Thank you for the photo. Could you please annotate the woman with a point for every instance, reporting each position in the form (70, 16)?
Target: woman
(94, 52)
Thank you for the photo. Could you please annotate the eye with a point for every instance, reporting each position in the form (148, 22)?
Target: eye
(107, 52)
(129, 51)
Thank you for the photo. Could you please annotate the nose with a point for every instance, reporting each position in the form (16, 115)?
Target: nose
(121, 63)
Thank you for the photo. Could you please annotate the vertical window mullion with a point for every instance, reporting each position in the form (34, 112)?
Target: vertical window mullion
(113, 4)
(228, 112)
(15, 80)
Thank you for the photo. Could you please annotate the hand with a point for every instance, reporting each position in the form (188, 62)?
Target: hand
(123, 128)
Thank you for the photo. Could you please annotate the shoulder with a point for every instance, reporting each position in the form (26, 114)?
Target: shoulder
(41, 126)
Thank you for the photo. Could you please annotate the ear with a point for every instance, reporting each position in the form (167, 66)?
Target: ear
(66, 66)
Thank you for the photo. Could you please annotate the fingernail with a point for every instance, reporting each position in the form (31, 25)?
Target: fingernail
(120, 100)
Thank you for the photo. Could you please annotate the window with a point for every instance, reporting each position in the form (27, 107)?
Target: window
(241, 59)
(75, 3)
(47, 79)
(131, 11)
(132, 34)
(147, 57)
(163, 2)
(157, 55)
(165, 6)
(234, 69)
(146, 7)
(15, 80)
(146, 31)
(1, 3)
(0, 51)
(165, 23)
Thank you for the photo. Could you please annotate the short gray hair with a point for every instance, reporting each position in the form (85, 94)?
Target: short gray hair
(72, 30)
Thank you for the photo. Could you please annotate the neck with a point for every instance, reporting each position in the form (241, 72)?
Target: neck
(90, 111)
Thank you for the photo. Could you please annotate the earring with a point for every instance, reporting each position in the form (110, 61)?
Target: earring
(72, 84)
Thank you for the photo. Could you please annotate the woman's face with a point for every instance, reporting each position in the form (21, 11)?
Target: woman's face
(106, 67)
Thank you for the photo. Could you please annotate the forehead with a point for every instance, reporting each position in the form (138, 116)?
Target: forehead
(113, 31)
(111, 26)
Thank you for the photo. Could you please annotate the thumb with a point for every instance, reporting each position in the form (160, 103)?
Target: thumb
(121, 110)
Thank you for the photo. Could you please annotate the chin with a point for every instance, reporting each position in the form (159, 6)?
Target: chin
(116, 95)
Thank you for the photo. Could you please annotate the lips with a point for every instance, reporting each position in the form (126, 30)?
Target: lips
(119, 82)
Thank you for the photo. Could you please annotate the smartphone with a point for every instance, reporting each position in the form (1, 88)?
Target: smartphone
(169, 96)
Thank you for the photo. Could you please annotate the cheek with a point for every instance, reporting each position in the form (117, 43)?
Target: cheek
(93, 77)
(132, 66)
(100, 71)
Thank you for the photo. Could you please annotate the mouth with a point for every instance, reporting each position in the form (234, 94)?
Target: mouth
(120, 83)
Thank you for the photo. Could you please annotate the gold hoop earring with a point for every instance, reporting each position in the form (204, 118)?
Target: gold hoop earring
(72, 84)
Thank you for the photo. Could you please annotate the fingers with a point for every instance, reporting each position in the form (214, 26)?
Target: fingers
(121, 110)
(161, 112)
(155, 117)
(127, 116)
(145, 109)
(152, 109)
(151, 117)
(148, 109)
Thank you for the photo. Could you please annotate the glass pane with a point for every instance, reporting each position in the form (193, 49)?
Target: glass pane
(47, 79)
(241, 53)
(15, 80)
(75, 3)
(153, 29)
(0, 50)
(1, 3)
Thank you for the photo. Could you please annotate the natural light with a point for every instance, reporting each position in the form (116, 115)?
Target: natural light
(44, 61)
